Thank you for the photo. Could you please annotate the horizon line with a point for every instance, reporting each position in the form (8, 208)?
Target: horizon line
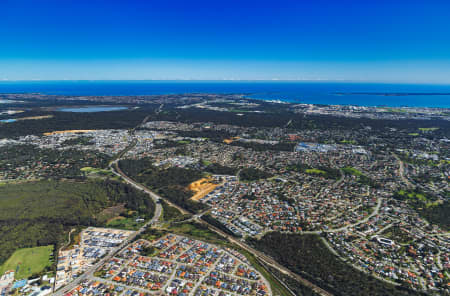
(5, 80)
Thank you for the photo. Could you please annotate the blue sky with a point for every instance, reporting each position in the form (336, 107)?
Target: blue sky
(395, 41)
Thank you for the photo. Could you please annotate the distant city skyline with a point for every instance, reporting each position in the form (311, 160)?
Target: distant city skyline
(400, 42)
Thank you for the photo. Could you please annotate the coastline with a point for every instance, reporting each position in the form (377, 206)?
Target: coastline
(344, 94)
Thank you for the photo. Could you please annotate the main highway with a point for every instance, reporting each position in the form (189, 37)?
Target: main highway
(90, 271)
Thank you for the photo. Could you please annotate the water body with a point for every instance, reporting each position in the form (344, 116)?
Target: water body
(362, 94)
(8, 120)
(92, 109)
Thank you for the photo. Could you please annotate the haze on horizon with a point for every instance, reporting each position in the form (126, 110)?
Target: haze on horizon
(380, 41)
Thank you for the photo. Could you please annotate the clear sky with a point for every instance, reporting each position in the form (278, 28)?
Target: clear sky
(394, 41)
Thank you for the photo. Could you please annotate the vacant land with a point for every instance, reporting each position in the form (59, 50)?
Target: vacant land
(97, 171)
(201, 188)
(124, 223)
(29, 261)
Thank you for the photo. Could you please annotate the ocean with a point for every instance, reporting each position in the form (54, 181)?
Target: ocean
(419, 95)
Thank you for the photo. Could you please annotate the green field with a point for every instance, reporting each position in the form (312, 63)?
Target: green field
(184, 142)
(315, 172)
(428, 129)
(28, 261)
(352, 171)
(353, 142)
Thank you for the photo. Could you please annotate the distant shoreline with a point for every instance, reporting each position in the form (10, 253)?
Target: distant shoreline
(390, 94)
(393, 95)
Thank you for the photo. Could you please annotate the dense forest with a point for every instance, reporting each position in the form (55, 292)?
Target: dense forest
(40, 213)
(308, 256)
(438, 214)
(170, 182)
